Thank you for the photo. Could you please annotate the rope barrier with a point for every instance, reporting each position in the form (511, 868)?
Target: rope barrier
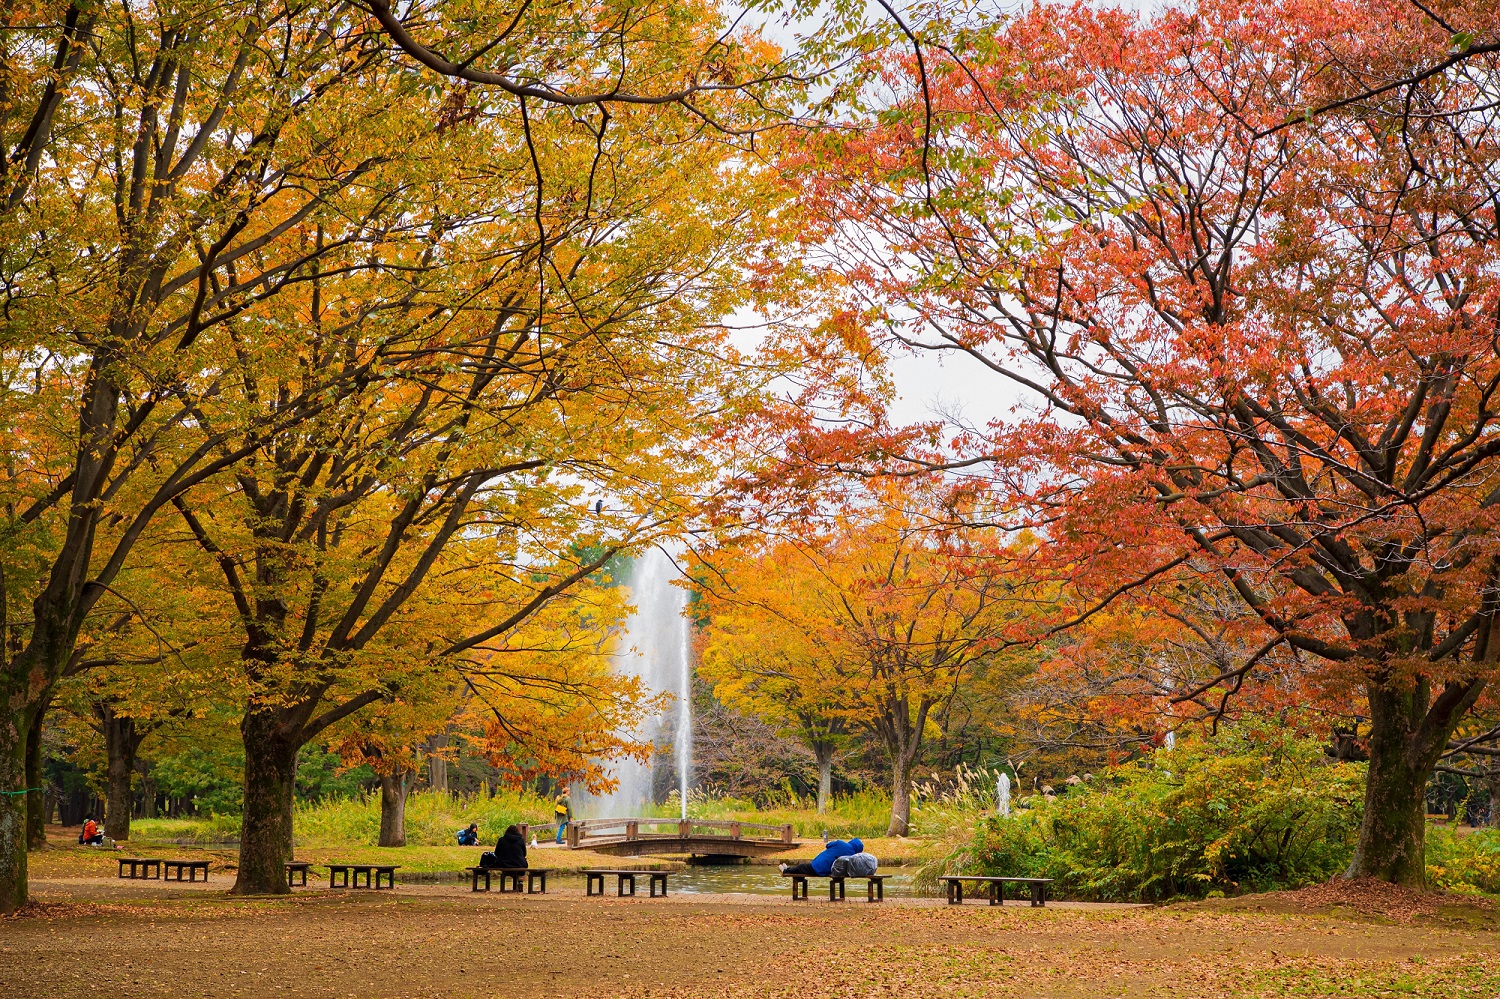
(24, 790)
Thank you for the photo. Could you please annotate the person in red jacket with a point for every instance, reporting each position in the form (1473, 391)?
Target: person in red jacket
(91, 836)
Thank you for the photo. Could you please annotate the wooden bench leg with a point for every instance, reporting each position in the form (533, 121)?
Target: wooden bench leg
(1038, 894)
(997, 893)
(620, 884)
(955, 893)
(875, 889)
(799, 883)
(835, 889)
(588, 887)
(654, 879)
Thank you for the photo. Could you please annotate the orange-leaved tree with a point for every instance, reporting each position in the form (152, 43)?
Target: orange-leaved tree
(876, 615)
(1263, 356)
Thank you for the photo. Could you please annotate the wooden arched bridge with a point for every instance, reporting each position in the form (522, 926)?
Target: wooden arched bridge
(635, 836)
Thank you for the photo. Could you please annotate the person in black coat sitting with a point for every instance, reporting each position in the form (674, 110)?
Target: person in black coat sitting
(510, 852)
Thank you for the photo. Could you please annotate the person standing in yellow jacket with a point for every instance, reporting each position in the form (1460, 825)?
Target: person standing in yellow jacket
(562, 813)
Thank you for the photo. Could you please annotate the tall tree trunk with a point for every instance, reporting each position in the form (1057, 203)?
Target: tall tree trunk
(901, 730)
(120, 743)
(148, 796)
(288, 807)
(437, 765)
(1492, 783)
(393, 790)
(1406, 739)
(36, 794)
(27, 681)
(823, 753)
(14, 727)
(900, 796)
(265, 825)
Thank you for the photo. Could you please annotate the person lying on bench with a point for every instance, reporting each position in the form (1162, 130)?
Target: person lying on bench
(822, 864)
(510, 851)
(855, 865)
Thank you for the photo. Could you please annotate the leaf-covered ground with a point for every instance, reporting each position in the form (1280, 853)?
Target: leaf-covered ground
(92, 935)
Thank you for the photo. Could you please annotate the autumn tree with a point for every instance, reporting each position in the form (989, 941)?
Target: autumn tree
(771, 666)
(1262, 352)
(162, 179)
(876, 617)
(167, 179)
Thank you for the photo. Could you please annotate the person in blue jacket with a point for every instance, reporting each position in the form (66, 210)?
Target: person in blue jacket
(822, 864)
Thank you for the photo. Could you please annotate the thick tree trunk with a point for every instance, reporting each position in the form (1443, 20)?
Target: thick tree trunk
(265, 824)
(901, 731)
(14, 727)
(148, 796)
(393, 790)
(1403, 750)
(823, 753)
(1492, 782)
(900, 796)
(288, 807)
(36, 794)
(437, 765)
(120, 744)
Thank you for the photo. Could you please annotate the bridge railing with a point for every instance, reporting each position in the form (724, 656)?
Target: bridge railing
(630, 828)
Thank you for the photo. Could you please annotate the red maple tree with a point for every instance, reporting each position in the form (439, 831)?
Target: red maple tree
(1259, 354)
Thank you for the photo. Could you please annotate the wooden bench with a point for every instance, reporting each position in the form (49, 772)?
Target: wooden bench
(996, 888)
(536, 878)
(368, 870)
(178, 866)
(293, 868)
(591, 876)
(140, 866)
(874, 886)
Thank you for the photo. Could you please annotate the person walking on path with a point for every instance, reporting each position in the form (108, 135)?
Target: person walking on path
(562, 811)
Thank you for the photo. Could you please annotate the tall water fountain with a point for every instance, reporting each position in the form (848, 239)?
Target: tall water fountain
(656, 647)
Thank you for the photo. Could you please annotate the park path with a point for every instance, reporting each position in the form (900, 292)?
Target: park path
(129, 940)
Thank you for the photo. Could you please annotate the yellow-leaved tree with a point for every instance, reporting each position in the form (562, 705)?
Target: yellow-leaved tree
(871, 620)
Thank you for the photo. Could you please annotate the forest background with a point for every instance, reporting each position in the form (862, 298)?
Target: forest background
(342, 373)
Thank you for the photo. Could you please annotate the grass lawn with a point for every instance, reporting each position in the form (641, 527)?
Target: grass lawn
(89, 934)
(64, 858)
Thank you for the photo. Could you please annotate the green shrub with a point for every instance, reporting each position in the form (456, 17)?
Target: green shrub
(204, 830)
(1233, 814)
(432, 819)
(1463, 863)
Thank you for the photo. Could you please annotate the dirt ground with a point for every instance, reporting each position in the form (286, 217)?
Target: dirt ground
(94, 936)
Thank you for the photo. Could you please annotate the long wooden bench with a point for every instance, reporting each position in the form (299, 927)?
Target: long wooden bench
(622, 877)
(536, 878)
(955, 884)
(171, 867)
(140, 867)
(874, 886)
(295, 867)
(377, 870)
